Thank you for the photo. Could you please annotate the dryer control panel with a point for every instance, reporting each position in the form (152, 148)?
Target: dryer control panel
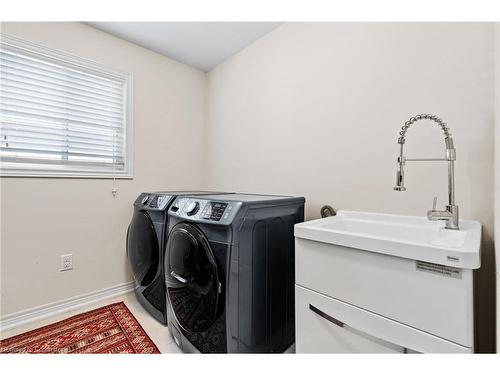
(202, 210)
(153, 201)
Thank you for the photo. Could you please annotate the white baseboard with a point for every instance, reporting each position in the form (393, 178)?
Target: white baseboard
(25, 316)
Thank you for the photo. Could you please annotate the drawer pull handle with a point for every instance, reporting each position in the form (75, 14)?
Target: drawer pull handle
(358, 332)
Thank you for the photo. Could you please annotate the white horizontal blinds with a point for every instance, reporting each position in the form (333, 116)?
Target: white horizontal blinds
(55, 112)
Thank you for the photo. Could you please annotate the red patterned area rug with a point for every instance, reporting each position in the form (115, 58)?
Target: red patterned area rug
(107, 330)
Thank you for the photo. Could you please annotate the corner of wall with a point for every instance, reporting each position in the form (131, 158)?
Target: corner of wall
(205, 163)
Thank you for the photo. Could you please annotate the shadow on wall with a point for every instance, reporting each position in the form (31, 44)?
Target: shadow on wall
(485, 299)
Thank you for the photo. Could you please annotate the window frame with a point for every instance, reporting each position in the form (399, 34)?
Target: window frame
(67, 171)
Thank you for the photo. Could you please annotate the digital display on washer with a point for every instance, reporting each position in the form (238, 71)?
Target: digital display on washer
(213, 211)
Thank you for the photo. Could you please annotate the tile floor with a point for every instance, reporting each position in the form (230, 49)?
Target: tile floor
(155, 330)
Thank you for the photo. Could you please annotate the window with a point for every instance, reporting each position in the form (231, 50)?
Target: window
(61, 115)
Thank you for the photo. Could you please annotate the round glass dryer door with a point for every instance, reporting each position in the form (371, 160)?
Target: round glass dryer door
(142, 248)
(192, 280)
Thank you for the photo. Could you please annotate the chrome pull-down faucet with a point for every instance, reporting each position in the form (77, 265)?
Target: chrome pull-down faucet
(450, 214)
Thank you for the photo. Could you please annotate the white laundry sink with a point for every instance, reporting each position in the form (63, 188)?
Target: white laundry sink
(411, 237)
(368, 282)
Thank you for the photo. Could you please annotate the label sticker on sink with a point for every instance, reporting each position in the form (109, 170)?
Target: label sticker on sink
(439, 269)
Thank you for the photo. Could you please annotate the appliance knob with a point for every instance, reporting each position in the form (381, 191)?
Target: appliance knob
(145, 199)
(192, 208)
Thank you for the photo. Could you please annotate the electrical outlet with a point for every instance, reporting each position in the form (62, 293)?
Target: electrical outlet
(66, 262)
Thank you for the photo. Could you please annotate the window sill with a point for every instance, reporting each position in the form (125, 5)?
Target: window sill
(19, 174)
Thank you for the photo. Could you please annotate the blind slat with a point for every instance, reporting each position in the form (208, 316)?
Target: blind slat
(73, 98)
(41, 123)
(107, 140)
(57, 86)
(60, 63)
(33, 114)
(58, 110)
(76, 94)
(13, 130)
(75, 162)
(18, 60)
(9, 92)
(55, 112)
(65, 81)
(58, 145)
(52, 150)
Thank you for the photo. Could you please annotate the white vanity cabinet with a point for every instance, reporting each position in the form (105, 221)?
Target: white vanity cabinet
(353, 300)
(327, 325)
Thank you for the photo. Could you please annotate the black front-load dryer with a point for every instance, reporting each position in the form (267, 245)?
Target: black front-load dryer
(146, 239)
(229, 272)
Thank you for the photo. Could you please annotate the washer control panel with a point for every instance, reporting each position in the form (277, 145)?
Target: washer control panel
(203, 210)
(192, 208)
(214, 211)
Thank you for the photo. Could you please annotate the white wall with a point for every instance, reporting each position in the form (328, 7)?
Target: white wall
(43, 218)
(315, 110)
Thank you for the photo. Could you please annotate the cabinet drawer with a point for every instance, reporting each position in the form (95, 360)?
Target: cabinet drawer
(326, 325)
(390, 286)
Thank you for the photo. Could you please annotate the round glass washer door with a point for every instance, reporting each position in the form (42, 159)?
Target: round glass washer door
(142, 248)
(191, 278)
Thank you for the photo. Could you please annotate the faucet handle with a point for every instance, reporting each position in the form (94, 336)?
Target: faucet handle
(434, 203)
